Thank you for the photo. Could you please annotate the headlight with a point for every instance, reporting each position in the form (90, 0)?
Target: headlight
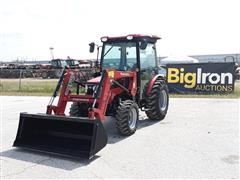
(129, 37)
(104, 39)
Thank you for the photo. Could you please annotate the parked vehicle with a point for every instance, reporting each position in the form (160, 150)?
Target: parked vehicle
(128, 81)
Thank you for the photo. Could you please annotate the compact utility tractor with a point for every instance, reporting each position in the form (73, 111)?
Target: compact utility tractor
(128, 81)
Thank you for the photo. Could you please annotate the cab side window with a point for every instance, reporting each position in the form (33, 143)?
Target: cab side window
(148, 57)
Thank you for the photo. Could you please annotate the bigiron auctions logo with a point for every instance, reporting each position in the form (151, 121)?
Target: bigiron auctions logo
(199, 80)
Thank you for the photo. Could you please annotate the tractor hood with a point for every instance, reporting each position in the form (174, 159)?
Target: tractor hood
(95, 80)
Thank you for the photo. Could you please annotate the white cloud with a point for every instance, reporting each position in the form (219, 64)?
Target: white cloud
(186, 26)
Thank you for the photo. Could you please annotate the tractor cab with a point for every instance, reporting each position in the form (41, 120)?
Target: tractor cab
(130, 53)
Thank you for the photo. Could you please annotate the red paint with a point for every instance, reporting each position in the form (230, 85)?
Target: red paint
(133, 35)
(151, 83)
(106, 96)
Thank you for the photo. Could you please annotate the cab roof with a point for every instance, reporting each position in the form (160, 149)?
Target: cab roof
(131, 37)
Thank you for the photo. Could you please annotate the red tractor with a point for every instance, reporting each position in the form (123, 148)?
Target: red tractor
(128, 80)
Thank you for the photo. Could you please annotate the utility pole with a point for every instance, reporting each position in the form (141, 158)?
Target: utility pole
(51, 52)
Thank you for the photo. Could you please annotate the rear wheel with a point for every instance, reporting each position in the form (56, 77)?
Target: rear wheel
(127, 116)
(44, 75)
(157, 101)
(79, 110)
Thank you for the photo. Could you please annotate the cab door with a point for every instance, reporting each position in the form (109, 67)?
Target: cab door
(148, 65)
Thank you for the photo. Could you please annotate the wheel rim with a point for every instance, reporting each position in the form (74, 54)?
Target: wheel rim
(132, 118)
(163, 100)
(44, 75)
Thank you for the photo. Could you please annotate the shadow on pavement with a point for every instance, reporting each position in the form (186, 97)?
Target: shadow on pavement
(45, 159)
(114, 136)
(68, 163)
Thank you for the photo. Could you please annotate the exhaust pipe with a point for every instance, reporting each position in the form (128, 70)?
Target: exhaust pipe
(68, 136)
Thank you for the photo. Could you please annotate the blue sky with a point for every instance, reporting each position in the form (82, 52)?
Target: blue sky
(187, 27)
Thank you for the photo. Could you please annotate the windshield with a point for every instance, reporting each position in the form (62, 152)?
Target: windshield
(56, 63)
(64, 63)
(59, 63)
(70, 62)
(119, 56)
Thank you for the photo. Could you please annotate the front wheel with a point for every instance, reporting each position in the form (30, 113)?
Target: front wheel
(127, 117)
(78, 110)
(157, 101)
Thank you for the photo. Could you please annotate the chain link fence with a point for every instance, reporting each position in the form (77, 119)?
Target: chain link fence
(34, 80)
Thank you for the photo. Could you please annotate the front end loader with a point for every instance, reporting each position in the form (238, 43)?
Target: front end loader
(128, 81)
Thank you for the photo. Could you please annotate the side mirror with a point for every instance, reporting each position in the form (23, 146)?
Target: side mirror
(143, 45)
(92, 47)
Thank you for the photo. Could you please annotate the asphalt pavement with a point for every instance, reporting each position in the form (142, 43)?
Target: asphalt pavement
(199, 138)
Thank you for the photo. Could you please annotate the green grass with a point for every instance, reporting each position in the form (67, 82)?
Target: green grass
(45, 87)
(27, 87)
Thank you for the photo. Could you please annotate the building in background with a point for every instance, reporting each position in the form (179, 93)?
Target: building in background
(178, 60)
(218, 58)
(211, 58)
(214, 58)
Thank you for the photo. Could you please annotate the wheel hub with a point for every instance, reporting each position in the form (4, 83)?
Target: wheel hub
(132, 118)
(163, 100)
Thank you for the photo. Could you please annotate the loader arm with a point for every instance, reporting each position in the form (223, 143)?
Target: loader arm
(110, 77)
(66, 83)
(102, 96)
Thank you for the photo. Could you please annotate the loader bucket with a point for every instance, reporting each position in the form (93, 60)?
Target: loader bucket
(68, 136)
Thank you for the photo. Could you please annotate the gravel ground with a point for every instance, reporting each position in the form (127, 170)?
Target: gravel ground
(199, 138)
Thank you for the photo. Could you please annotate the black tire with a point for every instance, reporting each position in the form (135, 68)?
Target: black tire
(44, 75)
(78, 110)
(127, 116)
(157, 101)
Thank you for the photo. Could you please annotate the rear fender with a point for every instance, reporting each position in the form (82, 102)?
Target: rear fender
(152, 81)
